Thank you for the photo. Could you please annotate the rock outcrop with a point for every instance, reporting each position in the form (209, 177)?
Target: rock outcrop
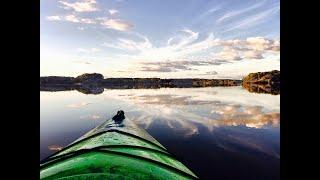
(263, 82)
(87, 78)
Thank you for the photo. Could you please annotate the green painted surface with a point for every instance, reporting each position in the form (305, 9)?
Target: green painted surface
(110, 138)
(106, 153)
(159, 157)
(97, 165)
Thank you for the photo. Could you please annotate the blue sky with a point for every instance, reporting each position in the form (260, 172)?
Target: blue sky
(159, 38)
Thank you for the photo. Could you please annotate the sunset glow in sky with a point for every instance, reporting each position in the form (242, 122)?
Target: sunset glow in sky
(159, 38)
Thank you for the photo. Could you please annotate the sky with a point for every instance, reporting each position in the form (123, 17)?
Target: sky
(159, 38)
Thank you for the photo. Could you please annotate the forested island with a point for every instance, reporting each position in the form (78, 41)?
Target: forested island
(263, 82)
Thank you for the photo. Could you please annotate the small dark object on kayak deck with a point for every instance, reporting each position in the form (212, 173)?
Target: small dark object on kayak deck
(119, 116)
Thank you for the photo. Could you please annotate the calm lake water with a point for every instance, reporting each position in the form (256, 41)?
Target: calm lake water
(218, 132)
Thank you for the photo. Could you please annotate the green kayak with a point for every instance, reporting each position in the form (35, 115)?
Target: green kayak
(117, 149)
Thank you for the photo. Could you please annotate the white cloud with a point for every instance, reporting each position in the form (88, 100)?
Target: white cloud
(72, 18)
(253, 54)
(130, 45)
(186, 45)
(82, 62)
(228, 53)
(80, 6)
(251, 48)
(87, 21)
(177, 46)
(90, 50)
(255, 19)
(113, 11)
(53, 18)
(252, 43)
(117, 24)
(261, 43)
(184, 40)
(237, 13)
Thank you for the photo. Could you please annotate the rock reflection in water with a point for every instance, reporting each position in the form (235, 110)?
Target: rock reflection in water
(82, 89)
(262, 88)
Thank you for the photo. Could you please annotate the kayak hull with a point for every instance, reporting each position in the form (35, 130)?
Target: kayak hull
(114, 150)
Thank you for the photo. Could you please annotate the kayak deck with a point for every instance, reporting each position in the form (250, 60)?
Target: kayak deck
(117, 150)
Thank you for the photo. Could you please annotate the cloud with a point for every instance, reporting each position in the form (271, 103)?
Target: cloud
(180, 41)
(261, 43)
(187, 43)
(113, 11)
(254, 19)
(80, 6)
(237, 13)
(72, 18)
(130, 45)
(75, 19)
(253, 54)
(250, 48)
(175, 66)
(178, 46)
(117, 24)
(87, 21)
(165, 67)
(90, 50)
(252, 43)
(53, 18)
(210, 73)
(82, 62)
(228, 53)
(160, 69)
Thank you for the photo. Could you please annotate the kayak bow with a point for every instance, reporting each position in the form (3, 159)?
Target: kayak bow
(117, 149)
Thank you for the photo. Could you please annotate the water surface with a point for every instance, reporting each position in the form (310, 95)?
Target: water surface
(218, 132)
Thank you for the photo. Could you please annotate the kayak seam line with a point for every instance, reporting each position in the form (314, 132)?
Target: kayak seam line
(130, 134)
(84, 151)
(135, 147)
(84, 174)
(99, 133)
(111, 146)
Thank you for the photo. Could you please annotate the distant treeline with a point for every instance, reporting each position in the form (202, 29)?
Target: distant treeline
(260, 82)
(95, 79)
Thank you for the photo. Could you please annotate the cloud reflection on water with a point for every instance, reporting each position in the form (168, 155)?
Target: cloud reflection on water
(228, 118)
(55, 147)
(78, 105)
(198, 106)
